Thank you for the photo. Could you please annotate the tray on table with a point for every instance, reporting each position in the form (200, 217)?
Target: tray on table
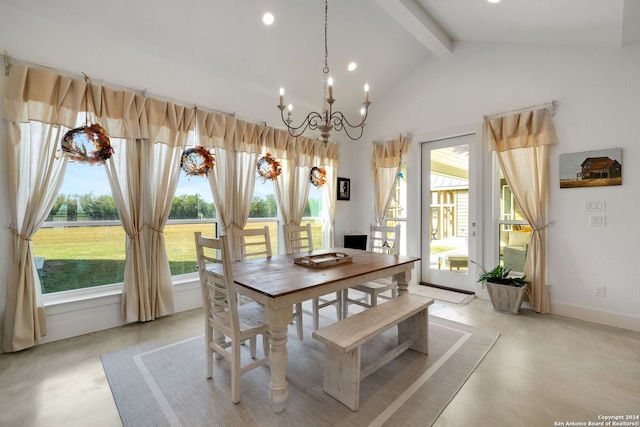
(323, 260)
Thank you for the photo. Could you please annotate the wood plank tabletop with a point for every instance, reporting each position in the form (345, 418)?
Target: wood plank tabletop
(279, 275)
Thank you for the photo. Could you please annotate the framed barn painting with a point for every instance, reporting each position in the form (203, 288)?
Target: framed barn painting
(591, 168)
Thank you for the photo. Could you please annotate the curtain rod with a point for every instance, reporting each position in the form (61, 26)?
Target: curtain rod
(9, 60)
(408, 135)
(549, 105)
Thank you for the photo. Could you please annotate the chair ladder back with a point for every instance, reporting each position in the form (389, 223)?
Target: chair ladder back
(298, 238)
(384, 239)
(252, 243)
(214, 268)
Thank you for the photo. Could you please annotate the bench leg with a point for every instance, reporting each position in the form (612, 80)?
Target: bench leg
(342, 376)
(416, 329)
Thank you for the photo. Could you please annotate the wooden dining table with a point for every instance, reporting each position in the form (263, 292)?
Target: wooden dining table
(278, 283)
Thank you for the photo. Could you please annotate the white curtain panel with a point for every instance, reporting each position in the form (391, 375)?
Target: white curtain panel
(244, 183)
(232, 182)
(521, 142)
(126, 179)
(35, 175)
(221, 184)
(329, 197)
(387, 158)
(162, 175)
(292, 191)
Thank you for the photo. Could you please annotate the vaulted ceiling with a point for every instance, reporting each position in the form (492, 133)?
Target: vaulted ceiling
(225, 42)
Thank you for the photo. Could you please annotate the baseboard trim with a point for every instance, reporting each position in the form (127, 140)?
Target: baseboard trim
(596, 316)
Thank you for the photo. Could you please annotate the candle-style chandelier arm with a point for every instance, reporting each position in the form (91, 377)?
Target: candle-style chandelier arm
(340, 122)
(312, 121)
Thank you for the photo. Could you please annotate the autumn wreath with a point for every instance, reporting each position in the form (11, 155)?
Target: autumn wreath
(318, 176)
(268, 167)
(197, 161)
(75, 142)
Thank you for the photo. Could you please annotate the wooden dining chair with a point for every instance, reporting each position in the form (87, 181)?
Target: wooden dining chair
(382, 239)
(227, 325)
(298, 239)
(254, 243)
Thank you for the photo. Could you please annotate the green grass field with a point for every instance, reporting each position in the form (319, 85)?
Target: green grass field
(81, 257)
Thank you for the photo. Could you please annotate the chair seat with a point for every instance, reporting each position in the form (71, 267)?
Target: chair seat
(251, 316)
(385, 284)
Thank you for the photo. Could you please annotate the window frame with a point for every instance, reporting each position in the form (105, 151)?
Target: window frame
(500, 224)
(400, 193)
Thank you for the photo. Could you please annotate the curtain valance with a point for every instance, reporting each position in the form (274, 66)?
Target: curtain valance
(389, 153)
(528, 129)
(223, 131)
(43, 95)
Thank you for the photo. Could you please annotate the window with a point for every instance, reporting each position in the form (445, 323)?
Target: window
(82, 242)
(513, 229)
(313, 215)
(397, 212)
(264, 210)
(192, 210)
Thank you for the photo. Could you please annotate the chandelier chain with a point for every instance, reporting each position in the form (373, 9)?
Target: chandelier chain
(326, 48)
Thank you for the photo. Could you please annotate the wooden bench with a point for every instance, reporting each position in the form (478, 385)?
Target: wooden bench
(343, 340)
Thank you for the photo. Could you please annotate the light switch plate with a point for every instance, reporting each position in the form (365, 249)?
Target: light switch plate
(595, 206)
(597, 221)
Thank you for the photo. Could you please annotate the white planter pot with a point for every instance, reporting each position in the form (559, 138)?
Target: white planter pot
(506, 298)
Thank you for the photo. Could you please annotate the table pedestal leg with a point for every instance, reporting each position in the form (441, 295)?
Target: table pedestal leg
(278, 388)
(402, 279)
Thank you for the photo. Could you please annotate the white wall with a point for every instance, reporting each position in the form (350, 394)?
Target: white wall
(598, 106)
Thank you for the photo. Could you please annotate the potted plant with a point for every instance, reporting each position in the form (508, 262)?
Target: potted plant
(505, 291)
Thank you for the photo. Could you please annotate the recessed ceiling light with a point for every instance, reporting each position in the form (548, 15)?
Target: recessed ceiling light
(493, 1)
(268, 18)
(352, 66)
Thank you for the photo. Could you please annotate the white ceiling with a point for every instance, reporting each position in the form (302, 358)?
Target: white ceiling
(225, 41)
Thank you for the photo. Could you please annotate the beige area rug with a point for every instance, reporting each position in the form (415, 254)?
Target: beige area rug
(163, 383)
(442, 294)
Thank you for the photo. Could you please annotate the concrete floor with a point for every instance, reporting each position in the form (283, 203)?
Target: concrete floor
(543, 371)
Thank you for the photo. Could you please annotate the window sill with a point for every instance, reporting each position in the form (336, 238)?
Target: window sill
(80, 299)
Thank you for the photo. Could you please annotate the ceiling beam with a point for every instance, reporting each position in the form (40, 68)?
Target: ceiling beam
(630, 22)
(418, 23)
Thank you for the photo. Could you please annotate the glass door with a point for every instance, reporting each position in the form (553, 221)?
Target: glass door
(448, 213)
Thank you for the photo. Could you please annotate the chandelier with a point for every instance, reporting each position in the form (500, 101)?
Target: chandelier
(328, 120)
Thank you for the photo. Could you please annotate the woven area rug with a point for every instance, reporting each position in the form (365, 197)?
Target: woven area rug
(442, 294)
(163, 383)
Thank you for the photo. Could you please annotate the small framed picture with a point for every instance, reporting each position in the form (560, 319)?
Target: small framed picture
(344, 189)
